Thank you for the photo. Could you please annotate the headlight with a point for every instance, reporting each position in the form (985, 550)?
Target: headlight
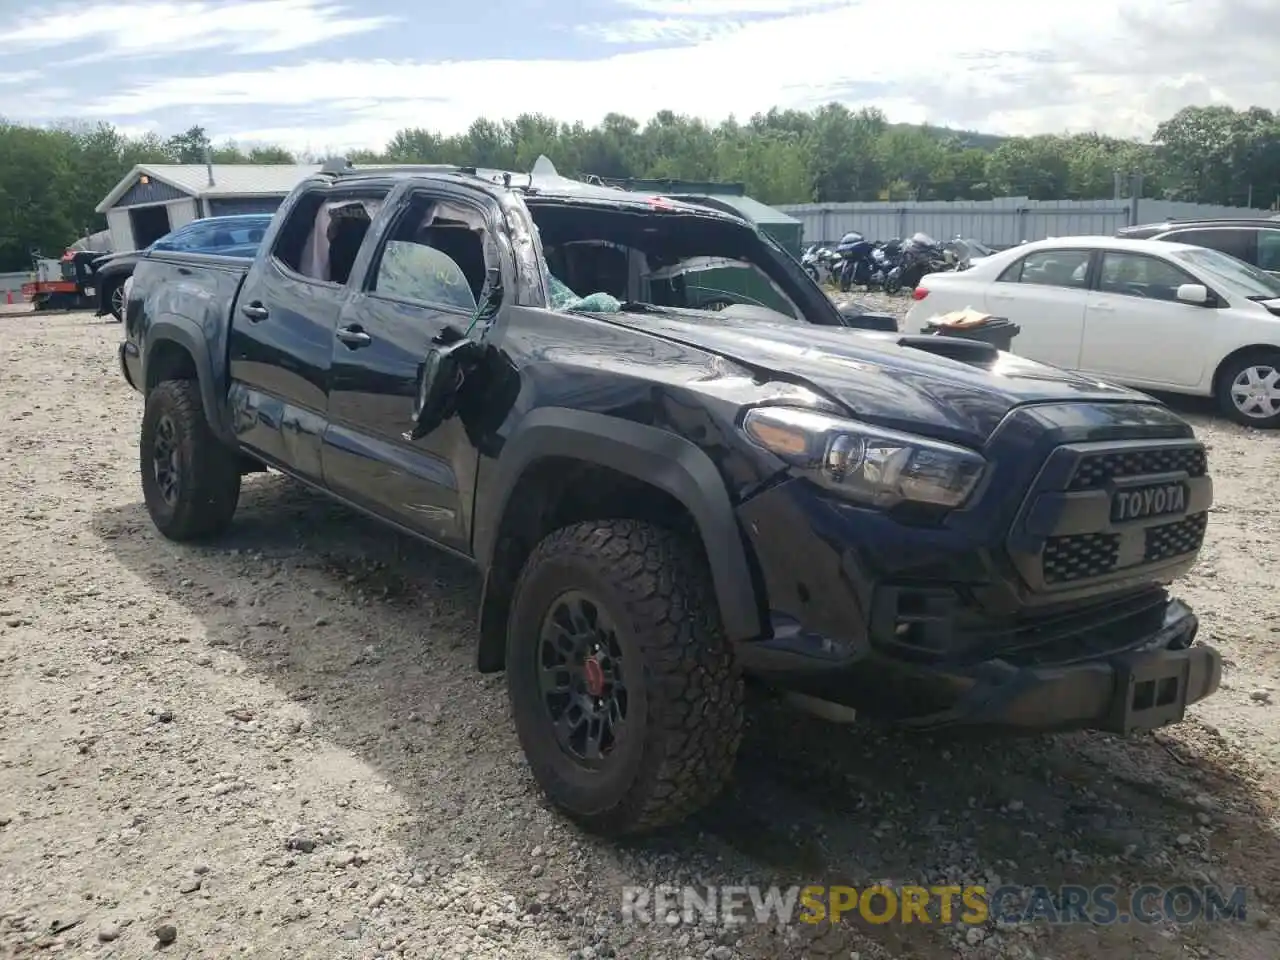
(871, 465)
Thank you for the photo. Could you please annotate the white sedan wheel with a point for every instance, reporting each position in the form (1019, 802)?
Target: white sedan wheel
(1256, 391)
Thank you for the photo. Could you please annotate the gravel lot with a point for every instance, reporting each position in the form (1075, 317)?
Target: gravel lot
(277, 746)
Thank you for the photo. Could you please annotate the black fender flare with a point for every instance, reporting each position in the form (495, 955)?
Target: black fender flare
(657, 457)
(187, 335)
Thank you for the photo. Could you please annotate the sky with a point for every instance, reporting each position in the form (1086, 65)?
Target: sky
(327, 75)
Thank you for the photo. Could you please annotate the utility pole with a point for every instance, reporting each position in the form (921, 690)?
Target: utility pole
(1135, 196)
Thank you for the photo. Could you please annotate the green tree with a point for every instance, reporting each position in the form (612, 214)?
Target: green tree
(1033, 167)
(189, 147)
(844, 155)
(1220, 155)
(52, 178)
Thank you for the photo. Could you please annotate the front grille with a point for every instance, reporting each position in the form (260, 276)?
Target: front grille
(1175, 539)
(1080, 557)
(1095, 470)
(1069, 533)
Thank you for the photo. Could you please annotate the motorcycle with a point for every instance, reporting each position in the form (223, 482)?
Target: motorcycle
(921, 255)
(854, 251)
(820, 263)
(884, 258)
(968, 251)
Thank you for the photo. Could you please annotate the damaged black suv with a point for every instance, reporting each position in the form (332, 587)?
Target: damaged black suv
(663, 501)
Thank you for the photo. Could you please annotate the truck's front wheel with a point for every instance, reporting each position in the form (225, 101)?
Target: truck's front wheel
(190, 480)
(624, 690)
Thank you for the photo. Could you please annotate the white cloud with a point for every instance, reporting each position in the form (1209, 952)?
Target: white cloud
(670, 30)
(694, 21)
(1119, 66)
(138, 29)
(727, 8)
(23, 76)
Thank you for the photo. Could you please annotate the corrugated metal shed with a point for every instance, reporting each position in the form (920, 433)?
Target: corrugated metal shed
(229, 179)
(152, 191)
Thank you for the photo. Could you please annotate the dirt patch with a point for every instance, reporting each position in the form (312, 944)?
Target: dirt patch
(278, 745)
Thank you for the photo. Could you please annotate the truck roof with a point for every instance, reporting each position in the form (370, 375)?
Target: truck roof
(542, 182)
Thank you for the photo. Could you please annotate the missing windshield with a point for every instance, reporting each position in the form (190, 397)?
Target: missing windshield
(611, 259)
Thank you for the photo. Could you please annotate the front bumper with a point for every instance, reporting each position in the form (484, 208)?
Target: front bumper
(1144, 688)
(1147, 684)
(960, 624)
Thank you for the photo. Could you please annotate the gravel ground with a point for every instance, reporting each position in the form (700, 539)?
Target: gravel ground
(277, 746)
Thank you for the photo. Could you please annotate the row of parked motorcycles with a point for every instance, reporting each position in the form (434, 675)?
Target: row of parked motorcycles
(887, 265)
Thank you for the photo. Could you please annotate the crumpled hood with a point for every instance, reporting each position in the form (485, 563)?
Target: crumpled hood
(878, 380)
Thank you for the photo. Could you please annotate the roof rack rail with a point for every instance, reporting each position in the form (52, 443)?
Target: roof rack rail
(342, 167)
(1244, 216)
(673, 186)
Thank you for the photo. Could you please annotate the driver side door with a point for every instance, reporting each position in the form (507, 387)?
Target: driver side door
(1137, 331)
(417, 280)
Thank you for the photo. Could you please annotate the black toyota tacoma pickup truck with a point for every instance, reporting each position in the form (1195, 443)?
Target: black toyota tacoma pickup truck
(663, 502)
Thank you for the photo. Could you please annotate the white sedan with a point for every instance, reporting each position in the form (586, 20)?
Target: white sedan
(1146, 313)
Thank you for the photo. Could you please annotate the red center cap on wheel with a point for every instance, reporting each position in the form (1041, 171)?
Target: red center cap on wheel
(595, 676)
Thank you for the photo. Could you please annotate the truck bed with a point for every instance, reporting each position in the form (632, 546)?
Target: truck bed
(207, 286)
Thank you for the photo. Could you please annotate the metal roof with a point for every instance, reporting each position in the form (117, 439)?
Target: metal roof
(752, 209)
(229, 179)
(1206, 222)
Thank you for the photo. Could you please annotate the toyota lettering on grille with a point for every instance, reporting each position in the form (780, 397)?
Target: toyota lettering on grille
(1157, 500)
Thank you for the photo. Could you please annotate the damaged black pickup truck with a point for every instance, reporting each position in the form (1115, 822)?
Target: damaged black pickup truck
(663, 502)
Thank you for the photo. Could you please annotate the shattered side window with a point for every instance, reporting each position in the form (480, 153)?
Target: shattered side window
(415, 271)
(565, 300)
(561, 295)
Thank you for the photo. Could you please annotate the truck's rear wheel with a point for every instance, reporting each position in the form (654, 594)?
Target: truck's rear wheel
(624, 690)
(190, 480)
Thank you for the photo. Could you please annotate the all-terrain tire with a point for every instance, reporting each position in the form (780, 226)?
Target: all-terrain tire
(686, 692)
(207, 486)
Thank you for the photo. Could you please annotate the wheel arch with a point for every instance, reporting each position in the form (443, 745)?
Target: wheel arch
(175, 350)
(1239, 354)
(668, 467)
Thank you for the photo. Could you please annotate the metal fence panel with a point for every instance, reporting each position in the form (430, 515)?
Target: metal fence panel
(998, 223)
(1153, 211)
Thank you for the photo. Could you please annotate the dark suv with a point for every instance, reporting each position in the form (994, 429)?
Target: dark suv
(1252, 240)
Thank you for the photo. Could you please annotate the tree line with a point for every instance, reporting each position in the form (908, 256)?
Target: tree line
(51, 178)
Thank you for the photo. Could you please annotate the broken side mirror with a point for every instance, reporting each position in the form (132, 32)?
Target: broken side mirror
(440, 377)
(454, 355)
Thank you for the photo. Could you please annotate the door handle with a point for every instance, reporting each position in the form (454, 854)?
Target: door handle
(354, 336)
(255, 311)
(1102, 307)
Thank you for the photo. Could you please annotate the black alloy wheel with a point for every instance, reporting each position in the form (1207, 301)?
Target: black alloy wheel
(580, 677)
